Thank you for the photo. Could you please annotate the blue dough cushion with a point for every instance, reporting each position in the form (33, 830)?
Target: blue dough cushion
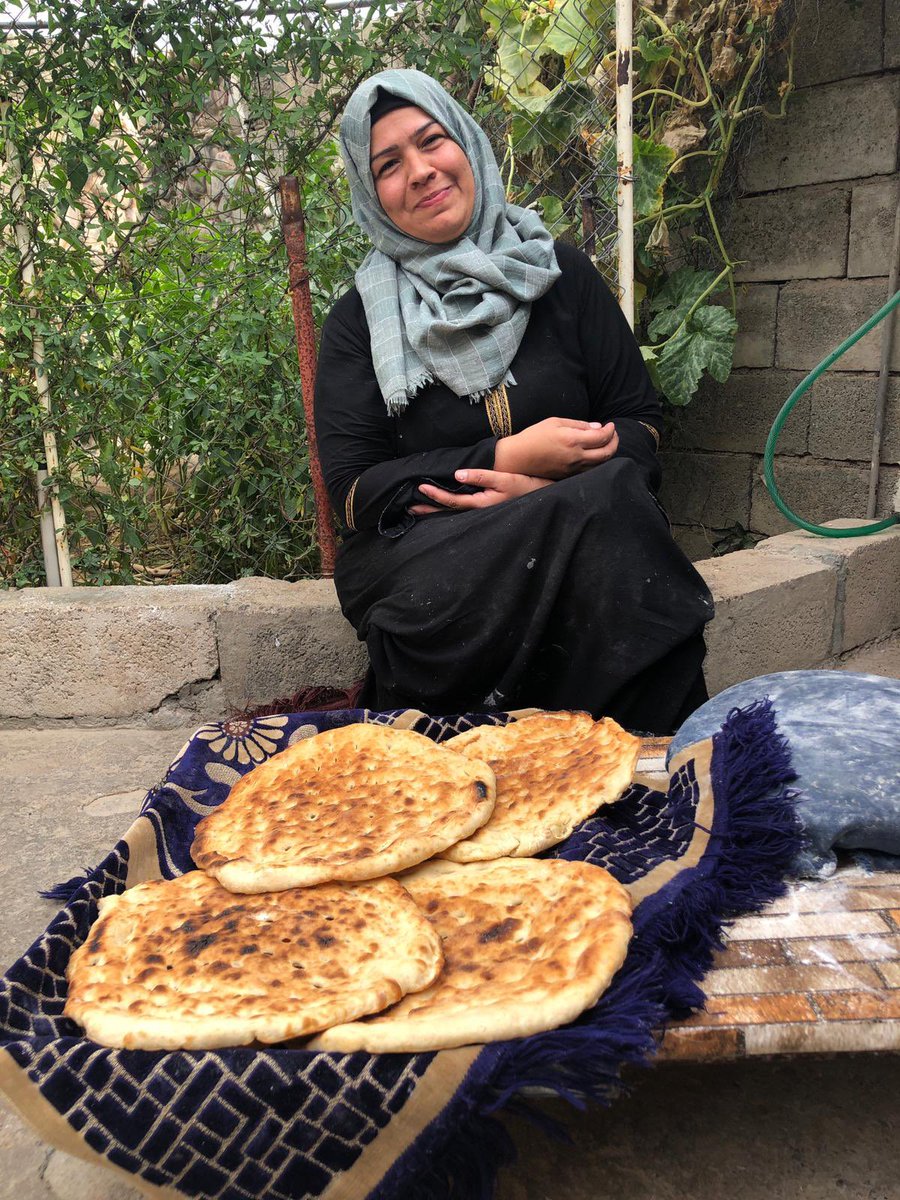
(844, 735)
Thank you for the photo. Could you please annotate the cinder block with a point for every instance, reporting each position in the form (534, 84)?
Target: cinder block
(104, 653)
(276, 638)
(706, 489)
(816, 491)
(815, 316)
(876, 658)
(696, 541)
(837, 131)
(800, 233)
(868, 572)
(755, 312)
(737, 415)
(872, 227)
(773, 613)
(842, 417)
(836, 40)
(891, 36)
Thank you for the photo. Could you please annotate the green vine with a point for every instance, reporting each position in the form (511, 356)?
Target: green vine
(694, 72)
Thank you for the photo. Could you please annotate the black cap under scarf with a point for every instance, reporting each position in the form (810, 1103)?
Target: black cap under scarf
(385, 103)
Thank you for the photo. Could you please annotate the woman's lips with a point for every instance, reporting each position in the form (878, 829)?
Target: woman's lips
(434, 198)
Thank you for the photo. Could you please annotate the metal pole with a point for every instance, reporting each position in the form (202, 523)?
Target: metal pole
(54, 540)
(887, 338)
(294, 232)
(624, 155)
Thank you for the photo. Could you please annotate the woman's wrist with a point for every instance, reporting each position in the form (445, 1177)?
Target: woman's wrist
(505, 455)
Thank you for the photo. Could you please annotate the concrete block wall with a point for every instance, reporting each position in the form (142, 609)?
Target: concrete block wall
(181, 655)
(815, 224)
(170, 656)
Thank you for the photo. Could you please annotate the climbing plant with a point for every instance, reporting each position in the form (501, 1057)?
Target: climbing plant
(704, 73)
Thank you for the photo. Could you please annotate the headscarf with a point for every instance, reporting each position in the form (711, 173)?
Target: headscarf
(452, 313)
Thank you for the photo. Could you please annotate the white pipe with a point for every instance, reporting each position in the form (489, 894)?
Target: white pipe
(58, 566)
(624, 156)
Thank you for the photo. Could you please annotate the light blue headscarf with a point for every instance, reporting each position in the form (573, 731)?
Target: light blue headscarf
(454, 313)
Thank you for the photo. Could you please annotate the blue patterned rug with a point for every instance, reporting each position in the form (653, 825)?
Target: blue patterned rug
(289, 1124)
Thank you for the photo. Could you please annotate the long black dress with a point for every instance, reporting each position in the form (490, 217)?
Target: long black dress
(573, 596)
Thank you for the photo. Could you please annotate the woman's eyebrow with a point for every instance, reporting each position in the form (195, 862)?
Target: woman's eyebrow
(392, 149)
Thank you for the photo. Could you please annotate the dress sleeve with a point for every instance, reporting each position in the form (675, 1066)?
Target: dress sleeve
(618, 383)
(370, 485)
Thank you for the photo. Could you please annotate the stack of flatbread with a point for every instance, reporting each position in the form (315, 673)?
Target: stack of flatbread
(377, 890)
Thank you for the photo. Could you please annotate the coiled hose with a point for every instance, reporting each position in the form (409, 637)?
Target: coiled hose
(774, 432)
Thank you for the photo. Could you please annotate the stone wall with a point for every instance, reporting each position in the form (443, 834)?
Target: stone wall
(180, 655)
(815, 224)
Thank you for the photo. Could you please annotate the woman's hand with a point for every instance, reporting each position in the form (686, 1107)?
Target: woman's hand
(496, 486)
(557, 448)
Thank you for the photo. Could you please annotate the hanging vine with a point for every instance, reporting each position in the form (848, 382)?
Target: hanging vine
(702, 71)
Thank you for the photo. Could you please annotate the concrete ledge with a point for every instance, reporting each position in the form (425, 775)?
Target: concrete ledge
(867, 570)
(275, 638)
(165, 657)
(772, 614)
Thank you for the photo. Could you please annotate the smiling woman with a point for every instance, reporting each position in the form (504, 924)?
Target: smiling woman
(488, 435)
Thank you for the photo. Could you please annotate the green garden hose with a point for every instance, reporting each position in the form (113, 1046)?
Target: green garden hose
(768, 473)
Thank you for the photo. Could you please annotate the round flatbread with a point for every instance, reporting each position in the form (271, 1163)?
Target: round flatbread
(185, 964)
(353, 803)
(553, 770)
(528, 945)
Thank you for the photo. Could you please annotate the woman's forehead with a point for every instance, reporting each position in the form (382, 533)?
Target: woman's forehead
(399, 125)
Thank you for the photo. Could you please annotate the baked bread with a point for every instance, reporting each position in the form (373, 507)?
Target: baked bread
(528, 945)
(554, 770)
(184, 964)
(353, 803)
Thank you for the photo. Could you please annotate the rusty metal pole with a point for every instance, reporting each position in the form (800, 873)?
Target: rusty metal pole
(294, 232)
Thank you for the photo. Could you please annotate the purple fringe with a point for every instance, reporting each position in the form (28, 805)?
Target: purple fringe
(63, 892)
(754, 839)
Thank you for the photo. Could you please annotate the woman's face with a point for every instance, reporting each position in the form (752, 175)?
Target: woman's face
(422, 177)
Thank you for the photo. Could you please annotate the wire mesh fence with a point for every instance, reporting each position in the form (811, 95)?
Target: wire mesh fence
(146, 323)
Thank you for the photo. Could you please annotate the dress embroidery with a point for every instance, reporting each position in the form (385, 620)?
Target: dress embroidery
(498, 412)
(348, 505)
(653, 433)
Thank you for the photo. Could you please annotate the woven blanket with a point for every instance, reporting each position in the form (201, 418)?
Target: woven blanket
(290, 1124)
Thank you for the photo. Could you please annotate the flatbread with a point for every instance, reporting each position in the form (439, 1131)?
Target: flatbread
(528, 945)
(554, 770)
(184, 964)
(353, 803)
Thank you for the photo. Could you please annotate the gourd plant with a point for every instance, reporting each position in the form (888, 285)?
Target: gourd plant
(701, 73)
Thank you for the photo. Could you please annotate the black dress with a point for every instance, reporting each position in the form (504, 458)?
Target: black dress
(574, 596)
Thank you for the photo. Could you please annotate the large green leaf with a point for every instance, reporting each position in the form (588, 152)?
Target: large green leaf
(653, 50)
(553, 215)
(527, 37)
(706, 343)
(651, 161)
(674, 299)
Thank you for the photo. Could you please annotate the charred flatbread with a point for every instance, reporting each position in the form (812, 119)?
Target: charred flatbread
(353, 803)
(528, 945)
(553, 770)
(184, 964)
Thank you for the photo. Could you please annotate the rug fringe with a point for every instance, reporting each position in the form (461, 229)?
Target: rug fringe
(315, 698)
(63, 892)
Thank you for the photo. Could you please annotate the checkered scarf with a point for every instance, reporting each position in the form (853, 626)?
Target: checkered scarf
(451, 313)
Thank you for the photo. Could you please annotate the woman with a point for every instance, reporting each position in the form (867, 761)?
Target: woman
(488, 436)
